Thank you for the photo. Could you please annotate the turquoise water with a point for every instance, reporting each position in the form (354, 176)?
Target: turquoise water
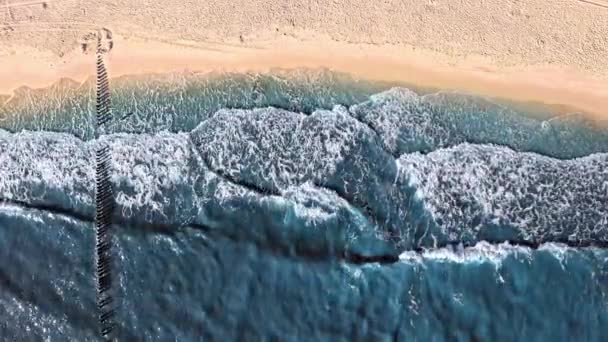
(304, 205)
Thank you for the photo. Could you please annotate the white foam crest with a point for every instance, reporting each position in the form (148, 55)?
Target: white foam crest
(316, 205)
(558, 250)
(151, 174)
(404, 120)
(311, 203)
(275, 147)
(33, 163)
(407, 122)
(148, 168)
(481, 252)
(226, 191)
(240, 137)
(472, 185)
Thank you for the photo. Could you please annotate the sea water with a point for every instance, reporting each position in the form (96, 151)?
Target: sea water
(303, 205)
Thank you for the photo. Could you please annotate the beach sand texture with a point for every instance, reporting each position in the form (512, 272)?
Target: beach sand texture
(554, 52)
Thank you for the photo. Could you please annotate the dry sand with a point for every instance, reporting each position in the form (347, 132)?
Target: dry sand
(555, 52)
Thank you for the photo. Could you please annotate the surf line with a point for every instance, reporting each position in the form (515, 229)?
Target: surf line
(104, 201)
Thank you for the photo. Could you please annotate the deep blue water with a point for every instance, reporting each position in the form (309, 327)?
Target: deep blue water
(304, 206)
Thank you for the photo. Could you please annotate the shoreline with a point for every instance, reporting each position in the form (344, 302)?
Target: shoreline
(556, 87)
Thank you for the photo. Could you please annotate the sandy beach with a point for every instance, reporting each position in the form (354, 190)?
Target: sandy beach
(535, 51)
(304, 170)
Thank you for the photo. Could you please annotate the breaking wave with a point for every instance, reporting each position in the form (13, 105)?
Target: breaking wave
(396, 172)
